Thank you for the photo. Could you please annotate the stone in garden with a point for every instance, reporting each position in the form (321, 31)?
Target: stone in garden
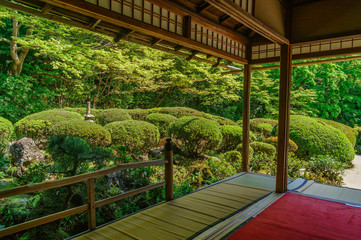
(23, 152)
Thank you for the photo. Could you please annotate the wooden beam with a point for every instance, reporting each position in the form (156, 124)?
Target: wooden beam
(202, 6)
(239, 14)
(155, 41)
(47, 7)
(193, 54)
(246, 114)
(92, 221)
(218, 62)
(177, 48)
(284, 118)
(107, 15)
(181, 10)
(123, 35)
(223, 18)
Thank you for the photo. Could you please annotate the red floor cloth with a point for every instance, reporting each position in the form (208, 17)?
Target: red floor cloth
(294, 217)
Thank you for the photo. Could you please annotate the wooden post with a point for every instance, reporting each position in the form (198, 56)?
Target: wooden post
(284, 118)
(168, 170)
(246, 116)
(91, 204)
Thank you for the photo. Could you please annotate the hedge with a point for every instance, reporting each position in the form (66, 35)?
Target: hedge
(6, 132)
(314, 138)
(37, 126)
(139, 114)
(220, 120)
(263, 126)
(134, 134)
(240, 147)
(181, 112)
(198, 135)
(292, 146)
(93, 133)
(232, 136)
(261, 147)
(113, 115)
(162, 121)
(234, 158)
(350, 132)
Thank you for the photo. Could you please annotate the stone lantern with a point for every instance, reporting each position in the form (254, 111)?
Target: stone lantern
(87, 115)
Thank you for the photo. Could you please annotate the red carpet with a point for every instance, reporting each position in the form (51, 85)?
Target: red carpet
(296, 217)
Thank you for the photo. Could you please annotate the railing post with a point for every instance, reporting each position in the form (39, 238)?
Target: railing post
(91, 204)
(168, 170)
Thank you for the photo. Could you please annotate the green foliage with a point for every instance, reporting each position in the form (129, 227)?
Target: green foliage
(232, 136)
(136, 135)
(38, 125)
(220, 168)
(326, 169)
(93, 133)
(263, 126)
(198, 135)
(350, 133)
(181, 112)
(292, 146)
(220, 120)
(240, 146)
(6, 132)
(72, 155)
(82, 111)
(234, 158)
(139, 114)
(113, 115)
(358, 140)
(261, 147)
(315, 138)
(162, 121)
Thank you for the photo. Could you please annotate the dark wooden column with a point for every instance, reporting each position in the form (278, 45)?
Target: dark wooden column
(246, 116)
(284, 118)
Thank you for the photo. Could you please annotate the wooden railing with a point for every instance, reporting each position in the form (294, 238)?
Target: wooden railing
(91, 204)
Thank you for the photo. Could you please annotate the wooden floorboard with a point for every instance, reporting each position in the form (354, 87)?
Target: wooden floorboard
(189, 215)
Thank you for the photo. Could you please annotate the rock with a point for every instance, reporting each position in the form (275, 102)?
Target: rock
(4, 183)
(23, 152)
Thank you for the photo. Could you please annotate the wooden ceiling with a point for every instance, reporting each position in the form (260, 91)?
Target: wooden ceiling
(214, 31)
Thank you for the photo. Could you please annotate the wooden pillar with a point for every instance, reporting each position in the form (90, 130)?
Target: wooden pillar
(91, 204)
(284, 118)
(168, 170)
(246, 116)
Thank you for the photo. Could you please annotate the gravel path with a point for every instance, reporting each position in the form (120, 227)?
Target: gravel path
(352, 177)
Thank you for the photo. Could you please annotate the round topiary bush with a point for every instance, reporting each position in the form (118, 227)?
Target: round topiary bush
(197, 134)
(136, 135)
(263, 126)
(181, 112)
(315, 138)
(240, 146)
(234, 158)
(162, 121)
(138, 114)
(220, 120)
(350, 132)
(113, 115)
(292, 146)
(220, 168)
(232, 136)
(37, 126)
(266, 148)
(6, 132)
(93, 133)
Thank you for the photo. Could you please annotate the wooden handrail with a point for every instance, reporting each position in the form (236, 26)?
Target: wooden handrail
(76, 179)
(92, 204)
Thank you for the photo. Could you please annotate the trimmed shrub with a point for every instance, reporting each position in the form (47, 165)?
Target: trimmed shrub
(234, 158)
(181, 112)
(138, 114)
(162, 121)
(136, 135)
(232, 136)
(315, 138)
(113, 115)
(197, 134)
(6, 132)
(240, 147)
(220, 120)
(263, 126)
(266, 148)
(93, 133)
(37, 126)
(239, 122)
(220, 168)
(292, 146)
(350, 132)
(82, 111)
